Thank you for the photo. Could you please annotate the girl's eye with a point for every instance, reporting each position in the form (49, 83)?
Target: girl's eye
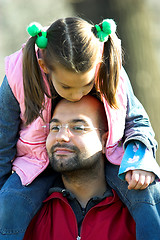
(90, 83)
(65, 87)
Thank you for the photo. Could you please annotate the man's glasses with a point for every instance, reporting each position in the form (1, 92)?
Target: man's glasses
(75, 129)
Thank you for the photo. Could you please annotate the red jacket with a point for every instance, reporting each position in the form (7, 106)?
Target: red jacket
(108, 220)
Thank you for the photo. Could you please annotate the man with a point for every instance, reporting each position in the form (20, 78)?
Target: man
(81, 204)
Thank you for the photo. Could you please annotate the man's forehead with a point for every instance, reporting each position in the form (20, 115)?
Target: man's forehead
(73, 112)
(86, 108)
(71, 117)
(74, 107)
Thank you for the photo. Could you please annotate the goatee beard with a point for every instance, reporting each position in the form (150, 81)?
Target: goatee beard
(77, 166)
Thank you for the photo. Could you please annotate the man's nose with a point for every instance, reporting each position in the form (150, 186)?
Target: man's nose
(63, 135)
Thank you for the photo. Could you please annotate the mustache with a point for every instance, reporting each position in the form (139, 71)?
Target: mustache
(64, 145)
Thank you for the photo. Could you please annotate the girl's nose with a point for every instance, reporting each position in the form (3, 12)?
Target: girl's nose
(77, 95)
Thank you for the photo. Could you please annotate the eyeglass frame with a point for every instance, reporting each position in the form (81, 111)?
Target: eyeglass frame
(69, 127)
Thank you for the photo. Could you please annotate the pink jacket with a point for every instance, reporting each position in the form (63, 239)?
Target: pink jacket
(31, 158)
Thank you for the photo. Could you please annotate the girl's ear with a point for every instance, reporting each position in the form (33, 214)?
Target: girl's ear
(42, 65)
(104, 140)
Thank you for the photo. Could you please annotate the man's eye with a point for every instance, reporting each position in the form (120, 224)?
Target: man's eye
(78, 128)
(54, 128)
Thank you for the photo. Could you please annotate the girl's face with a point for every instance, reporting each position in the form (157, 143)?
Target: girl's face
(72, 86)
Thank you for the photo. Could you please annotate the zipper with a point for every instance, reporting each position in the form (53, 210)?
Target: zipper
(78, 237)
(96, 206)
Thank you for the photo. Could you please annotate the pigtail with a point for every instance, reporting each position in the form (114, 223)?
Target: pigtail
(107, 77)
(109, 72)
(33, 83)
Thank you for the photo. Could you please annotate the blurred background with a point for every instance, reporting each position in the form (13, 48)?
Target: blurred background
(138, 27)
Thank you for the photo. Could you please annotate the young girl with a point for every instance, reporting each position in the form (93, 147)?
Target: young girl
(69, 59)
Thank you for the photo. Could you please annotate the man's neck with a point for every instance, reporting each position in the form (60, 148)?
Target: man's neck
(85, 185)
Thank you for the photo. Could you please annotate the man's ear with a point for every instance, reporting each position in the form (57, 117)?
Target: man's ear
(104, 140)
(42, 65)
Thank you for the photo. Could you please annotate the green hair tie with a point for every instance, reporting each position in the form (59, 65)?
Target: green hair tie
(98, 28)
(35, 29)
(108, 27)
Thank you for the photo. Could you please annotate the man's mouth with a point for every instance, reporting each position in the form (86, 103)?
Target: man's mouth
(63, 151)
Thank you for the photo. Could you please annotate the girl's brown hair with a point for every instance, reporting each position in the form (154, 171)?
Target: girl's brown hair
(73, 45)
(109, 70)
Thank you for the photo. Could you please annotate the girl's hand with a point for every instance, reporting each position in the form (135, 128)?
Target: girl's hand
(139, 179)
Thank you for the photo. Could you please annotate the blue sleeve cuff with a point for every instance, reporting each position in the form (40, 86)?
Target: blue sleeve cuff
(137, 156)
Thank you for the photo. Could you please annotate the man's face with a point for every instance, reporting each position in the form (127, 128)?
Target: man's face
(74, 140)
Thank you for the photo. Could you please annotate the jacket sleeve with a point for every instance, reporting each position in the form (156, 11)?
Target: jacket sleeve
(137, 124)
(139, 142)
(138, 157)
(9, 129)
